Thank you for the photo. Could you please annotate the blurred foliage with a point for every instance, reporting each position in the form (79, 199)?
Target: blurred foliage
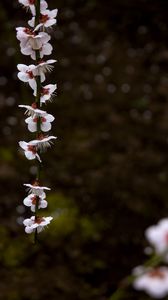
(108, 169)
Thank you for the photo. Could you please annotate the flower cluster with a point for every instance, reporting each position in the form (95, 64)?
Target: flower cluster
(154, 280)
(35, 42)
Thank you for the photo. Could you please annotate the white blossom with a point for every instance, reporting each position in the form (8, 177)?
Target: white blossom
(46, 49)
(32, 199)
(30, 150)
(29, 38)
(44, 119)
(34, 223)
(36, 189)
(43, 142)
(153, 281)
(47, 19)
(157, 235)
(47, 93)
(26, 74)
(31, 5)
(29, 73)
(30, 42)
(32, 110)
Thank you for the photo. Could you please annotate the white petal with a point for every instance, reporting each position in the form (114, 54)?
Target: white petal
(23, 145)
(29, 230)
(35, 225)
(23, 77)
(45, 37)
(51, 138)
(48, 219)
(53, 13)
(33, 10)
(26, 51)
(24, 2)
(44, 98)
(30, 155)
(28, 120)
(33, 208)
(49, 118)
(32, 22)
(42, 76)
(27, 201)
(43, 5)
(51, 61)
(32, 127)
(52, 88)
(33, 84)
(46, 50)
(27, 222)
(24, 43)
(22, 67)
(43, 204)
(33, 55)
(46, 126)
(50, 22)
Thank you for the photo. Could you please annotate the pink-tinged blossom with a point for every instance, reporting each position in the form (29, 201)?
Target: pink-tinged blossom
(31, 5)
(44, 119)
(30, 150)
(32, 110)
(43, 142)
(29, 73)
(153, 281)
(36, 189)
(47, 19)
(38, 223)
(26, 74)
(32, 199)
(45, 49)
(30, 42)
(47, 93)
(157, 235)
(29, 38)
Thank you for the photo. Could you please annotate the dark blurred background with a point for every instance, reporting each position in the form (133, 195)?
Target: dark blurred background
(108, 170)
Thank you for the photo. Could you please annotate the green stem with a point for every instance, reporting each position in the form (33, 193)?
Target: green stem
(37, 18)
(37, 100)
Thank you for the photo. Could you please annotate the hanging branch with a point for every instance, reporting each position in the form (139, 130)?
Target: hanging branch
(34, 42)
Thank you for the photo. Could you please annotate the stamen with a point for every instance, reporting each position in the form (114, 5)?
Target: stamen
(30, 74)
(31, 2)
(35, 183)
(32, 149)
(34, 105)
(44, 18)
(35, 119)
(29, 31)
(39, 220)
(45, 91)
(34, 200)
(157, 273)
(43, 119)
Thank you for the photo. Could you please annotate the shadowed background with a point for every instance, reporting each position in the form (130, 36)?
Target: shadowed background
(108, 170)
